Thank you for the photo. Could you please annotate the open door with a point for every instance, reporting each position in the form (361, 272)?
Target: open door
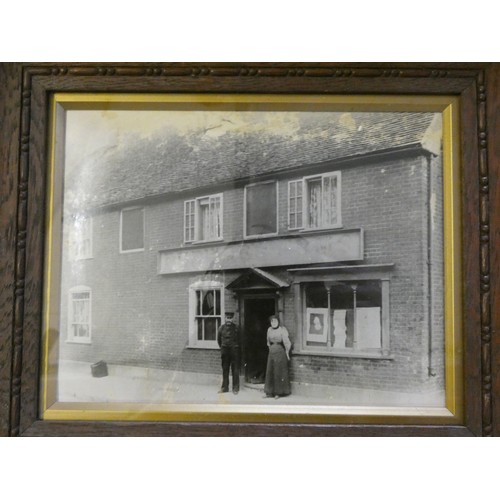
(255, 324)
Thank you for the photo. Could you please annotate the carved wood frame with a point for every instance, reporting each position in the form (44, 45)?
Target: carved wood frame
(24, 93)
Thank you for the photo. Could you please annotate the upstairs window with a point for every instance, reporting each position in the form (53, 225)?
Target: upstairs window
(132, 230)
(261, 209)
(314, 202)
(203, 219)
(295, 207)
(189, 218)
(81, 237)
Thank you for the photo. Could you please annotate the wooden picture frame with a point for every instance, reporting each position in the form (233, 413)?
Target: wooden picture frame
(25, 98)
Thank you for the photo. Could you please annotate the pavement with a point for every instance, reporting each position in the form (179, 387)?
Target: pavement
(146, 385)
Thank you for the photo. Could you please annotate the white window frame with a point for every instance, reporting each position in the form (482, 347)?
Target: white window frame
(71, 338)
(197, 218)
(189, 211)
(143, 229)
(327, 350)
(298, 182)
(76, 238)
(264, 235)
(305, 202)
(193, 331)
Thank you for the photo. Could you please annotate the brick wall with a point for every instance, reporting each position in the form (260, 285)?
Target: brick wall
(141, 317)
(391, 202)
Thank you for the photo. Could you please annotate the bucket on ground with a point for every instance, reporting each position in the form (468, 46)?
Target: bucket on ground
(99, 369)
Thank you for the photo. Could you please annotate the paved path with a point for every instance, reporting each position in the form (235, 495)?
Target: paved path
(134, 384)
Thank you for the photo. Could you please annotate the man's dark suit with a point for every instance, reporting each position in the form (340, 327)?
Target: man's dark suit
(228, 338)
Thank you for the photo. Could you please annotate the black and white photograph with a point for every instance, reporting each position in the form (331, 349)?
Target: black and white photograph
(247, 255)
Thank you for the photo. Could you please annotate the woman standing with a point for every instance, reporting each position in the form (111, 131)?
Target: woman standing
(277, 378)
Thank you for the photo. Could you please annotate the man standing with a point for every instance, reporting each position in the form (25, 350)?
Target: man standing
(228, 338)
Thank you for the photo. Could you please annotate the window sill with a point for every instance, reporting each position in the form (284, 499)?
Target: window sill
(350, 354)
(203, 242)
(135, 250)
(260, 236)
(79, 342)
(317, 229)
(203, 348)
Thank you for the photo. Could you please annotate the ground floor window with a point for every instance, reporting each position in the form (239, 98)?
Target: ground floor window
(79, 317)
(346, 316)
(206, 310)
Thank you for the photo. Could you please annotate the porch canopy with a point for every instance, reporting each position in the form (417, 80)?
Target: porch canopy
(257, 279)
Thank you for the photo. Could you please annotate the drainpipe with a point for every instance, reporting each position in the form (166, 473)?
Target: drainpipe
(430, 256)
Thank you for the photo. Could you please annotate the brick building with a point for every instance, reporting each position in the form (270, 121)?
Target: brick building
(338, 230)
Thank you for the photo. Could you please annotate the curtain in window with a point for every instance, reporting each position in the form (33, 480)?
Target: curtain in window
(208, 314)
(81, 314)
(329, 201)
(205, 221)
(314, 208)
(215, 217)
(210, 215)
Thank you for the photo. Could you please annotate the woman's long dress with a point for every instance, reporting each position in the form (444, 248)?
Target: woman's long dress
(277, 376)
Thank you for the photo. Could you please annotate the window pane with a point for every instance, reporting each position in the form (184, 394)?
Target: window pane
(198, 302)
(217, 302)
(295, 204)
(261, 210)
(330, 201)
(205, 311)
(355, 314)
(82, 237)
(132, 229)
(368, 326)
(199, 325)
(189, 220)
(81, 330)
(210, 328)
(299, 219)
(208, 304)
(210, 218)
(314, 206)
(316, 295)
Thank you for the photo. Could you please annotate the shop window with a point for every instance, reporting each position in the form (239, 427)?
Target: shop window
(261, 209)
(132, 230)
(206, 311)
(79, 315)
(203, 219)
(314, 202)
(345, 316)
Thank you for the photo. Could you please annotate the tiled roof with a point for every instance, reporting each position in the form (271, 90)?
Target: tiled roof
(170, 164)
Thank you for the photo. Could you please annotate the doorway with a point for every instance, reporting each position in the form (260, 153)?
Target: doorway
(255, 324)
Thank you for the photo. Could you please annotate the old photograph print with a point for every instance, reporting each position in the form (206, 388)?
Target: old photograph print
(185, 230)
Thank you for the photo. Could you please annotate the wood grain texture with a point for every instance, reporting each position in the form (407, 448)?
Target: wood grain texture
(82, 429)
(37, 179)
(493, 332)
(21, 299)
(471, 274)
(10, 110)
